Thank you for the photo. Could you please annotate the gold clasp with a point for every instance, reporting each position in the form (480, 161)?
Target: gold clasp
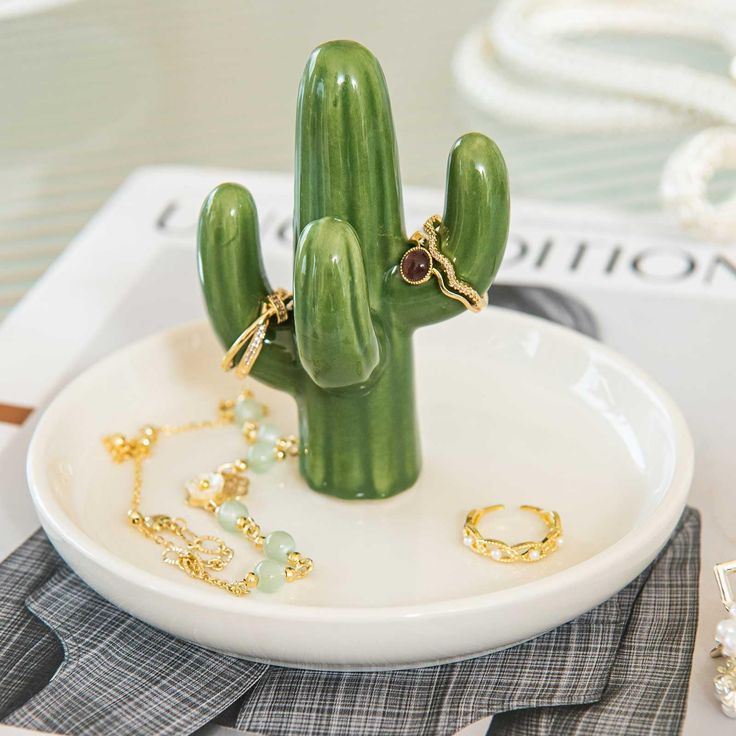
(121, 448)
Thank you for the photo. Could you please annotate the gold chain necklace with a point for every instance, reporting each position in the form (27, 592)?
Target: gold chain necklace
(218, 492)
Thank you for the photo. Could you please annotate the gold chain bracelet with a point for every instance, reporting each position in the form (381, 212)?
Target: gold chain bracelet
(218, 492)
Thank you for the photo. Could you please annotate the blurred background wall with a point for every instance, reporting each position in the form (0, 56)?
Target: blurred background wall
(90, 90)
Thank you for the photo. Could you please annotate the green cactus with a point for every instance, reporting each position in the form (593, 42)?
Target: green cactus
(346, 356)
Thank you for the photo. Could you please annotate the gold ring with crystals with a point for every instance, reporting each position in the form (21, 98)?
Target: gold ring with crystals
(418, 266)
(253, 337)
(500, 551)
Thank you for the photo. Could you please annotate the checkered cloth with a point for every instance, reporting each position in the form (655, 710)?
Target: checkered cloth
(622, 668)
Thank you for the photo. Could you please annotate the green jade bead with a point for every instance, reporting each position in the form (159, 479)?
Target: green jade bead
(278, 546)
(271, 576)
(261, 457)
(268, 432)
(248, 411)
(228, 514)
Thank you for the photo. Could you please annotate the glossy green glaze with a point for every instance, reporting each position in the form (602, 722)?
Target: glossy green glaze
(346, 356)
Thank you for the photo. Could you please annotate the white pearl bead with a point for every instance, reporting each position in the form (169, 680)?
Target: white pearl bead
(729, 711)
(467, 541)
(496, 554)
(725, 628)
(560, 541)
(726, 636)
(729, 647)
(534, 554)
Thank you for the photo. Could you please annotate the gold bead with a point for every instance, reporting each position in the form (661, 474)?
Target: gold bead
(118, 447)
(226, 411)
(251, 580)
(135, 518)
(250, 432)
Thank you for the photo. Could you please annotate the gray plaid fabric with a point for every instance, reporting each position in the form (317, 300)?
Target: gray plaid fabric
(604, 656)
(648, 680)
(121, 676)
(29, 652)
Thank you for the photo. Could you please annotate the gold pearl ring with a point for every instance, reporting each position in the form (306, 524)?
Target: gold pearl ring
(500, 551)
(418, 266)
(253, 337)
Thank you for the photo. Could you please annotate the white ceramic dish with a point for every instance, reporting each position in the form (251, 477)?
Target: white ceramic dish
(529, 413)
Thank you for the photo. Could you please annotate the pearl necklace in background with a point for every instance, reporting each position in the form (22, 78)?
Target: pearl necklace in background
(508, 67)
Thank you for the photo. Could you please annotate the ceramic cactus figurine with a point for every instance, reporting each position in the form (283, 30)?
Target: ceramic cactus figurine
(346, 353)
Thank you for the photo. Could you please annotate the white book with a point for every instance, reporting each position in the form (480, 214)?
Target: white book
(663, 300)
